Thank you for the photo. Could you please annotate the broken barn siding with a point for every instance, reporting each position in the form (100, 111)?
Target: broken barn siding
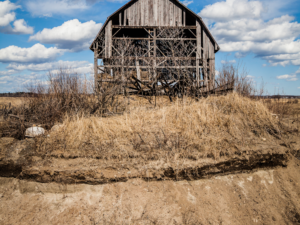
(144, 20)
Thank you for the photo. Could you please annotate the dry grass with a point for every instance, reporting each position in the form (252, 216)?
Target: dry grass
(14, 102)
(283, 107)
(211, 127)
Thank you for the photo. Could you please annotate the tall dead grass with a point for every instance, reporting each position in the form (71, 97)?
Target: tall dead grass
(211, 127)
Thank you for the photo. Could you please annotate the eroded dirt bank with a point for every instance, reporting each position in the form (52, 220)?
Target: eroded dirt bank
(264, 196)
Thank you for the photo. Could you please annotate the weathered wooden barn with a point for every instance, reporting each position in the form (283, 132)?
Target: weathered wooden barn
(155, 41)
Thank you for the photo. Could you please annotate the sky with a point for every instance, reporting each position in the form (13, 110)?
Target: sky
(38, 36)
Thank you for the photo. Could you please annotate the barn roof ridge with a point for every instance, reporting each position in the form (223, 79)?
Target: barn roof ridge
(177, 1)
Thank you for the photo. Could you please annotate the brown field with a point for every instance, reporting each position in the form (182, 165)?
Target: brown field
(11, 101)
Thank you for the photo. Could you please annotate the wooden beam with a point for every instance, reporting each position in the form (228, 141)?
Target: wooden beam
(158, 39)
(146, 67)
(96, 71)
(152, 27)
(154, 52)
(138, 71)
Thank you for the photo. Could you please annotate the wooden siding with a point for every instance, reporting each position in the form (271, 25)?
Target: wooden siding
(153, 13)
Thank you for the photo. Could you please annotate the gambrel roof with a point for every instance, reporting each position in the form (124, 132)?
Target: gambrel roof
(175, 2)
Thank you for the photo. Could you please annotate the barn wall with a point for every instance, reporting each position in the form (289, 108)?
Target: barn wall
(152, 13)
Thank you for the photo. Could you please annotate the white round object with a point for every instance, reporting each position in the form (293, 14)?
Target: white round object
(34, 131)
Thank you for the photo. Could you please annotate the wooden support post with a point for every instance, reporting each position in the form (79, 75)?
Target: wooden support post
(96, 70)
(198, 54)
(149, 53)
(205, 74)
(212, 73)
(138, 71)
(154, 53)
(122, 69)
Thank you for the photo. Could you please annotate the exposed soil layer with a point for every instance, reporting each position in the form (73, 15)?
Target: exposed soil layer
(19, 159)
(265, 196)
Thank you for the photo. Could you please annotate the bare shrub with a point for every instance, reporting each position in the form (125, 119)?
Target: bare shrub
(64, 93)
(243, 84)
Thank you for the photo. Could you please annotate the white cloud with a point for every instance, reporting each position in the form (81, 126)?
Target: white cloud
(78, 66)
(20, 27)
(232, 9)
(298, 71)
(72, 35)
(238, 26)
(38, 53)
(288, 77)
(187, 2)
(7, 72)
(6, 17)
(228, 62)
(49, 7)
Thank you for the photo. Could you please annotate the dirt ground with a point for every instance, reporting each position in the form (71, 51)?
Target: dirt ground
(269, 196)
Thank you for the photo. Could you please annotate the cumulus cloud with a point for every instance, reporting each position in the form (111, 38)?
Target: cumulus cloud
(19, 27)
(7, 16)
(238, 26)
(38, 53)
(232, 9)
(72, 35)
(288, 77)
(78, 66)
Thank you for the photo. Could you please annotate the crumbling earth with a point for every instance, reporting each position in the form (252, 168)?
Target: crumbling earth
(254, 187)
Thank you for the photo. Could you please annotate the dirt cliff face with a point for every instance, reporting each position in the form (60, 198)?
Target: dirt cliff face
(264, 196)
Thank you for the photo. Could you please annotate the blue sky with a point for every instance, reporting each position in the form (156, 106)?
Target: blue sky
(37, 36)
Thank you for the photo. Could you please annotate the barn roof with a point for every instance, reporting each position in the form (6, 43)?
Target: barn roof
(177, 1)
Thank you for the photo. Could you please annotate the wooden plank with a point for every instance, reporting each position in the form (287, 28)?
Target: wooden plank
(146, 67)
(120, 18)
(130, 27)
(128, 10)
(213, 72)
(139, 13)
(184, 17)
(171, 14)
(135, 17)
(125, 17)
(180, 16)
(154, 53)
(155, 13)
(109, 36)
(176, 15)
(198, 34)
(96, 70)
(165, 14)
(106, 42)
(146, 12)
(163, 39)
(142, 13)
(151, 16)
(138, 70)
